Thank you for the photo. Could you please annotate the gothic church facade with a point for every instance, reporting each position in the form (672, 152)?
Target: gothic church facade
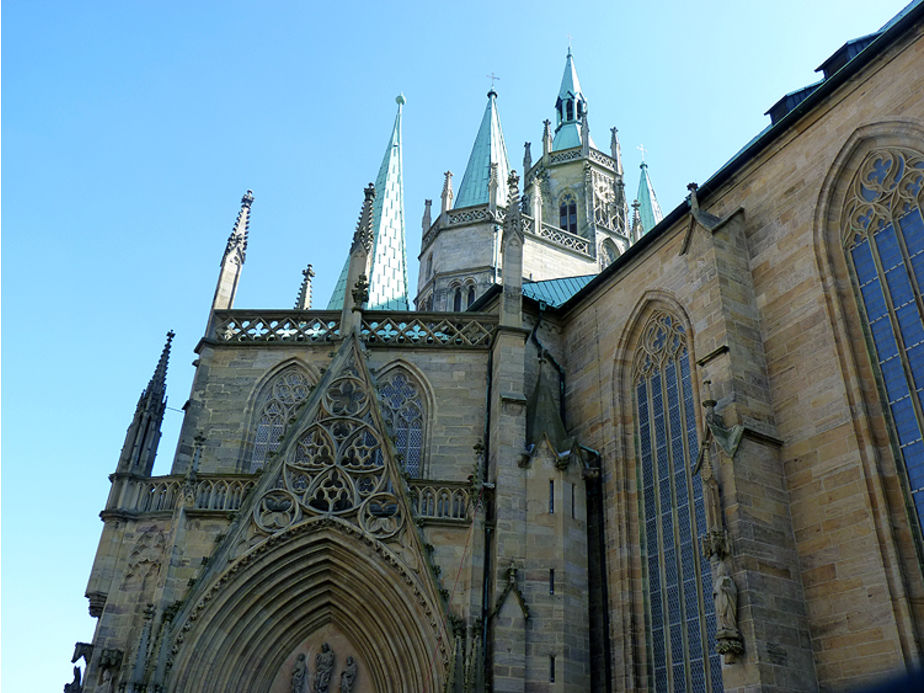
(608, 450)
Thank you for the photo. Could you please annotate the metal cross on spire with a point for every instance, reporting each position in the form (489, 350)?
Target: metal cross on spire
(569, 43)
(642, 149)
(492, 77)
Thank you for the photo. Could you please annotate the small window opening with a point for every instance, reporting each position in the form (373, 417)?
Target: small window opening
(551, 668)
(572, 502)
(551, 496)
(551, 580)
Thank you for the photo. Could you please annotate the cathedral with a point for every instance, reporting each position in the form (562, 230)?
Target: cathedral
(602, 449)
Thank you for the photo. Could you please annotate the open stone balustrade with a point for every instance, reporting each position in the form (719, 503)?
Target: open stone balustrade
(431, 500)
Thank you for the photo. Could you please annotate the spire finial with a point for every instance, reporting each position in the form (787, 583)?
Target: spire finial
(159, 379)
(570, 37)
(446, 196)
(426, 221)
(493, 78)
(303, 301)
(400, 100)
(237, 241)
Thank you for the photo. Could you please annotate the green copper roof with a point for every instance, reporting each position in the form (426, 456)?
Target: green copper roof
(568, 132)
(489, 148)
(649, 210)
(570, 84)
(388, 277)
(554, 292)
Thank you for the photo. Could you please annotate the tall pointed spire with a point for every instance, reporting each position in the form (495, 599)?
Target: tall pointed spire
(233, 259)
(649, 209)
(489, 148)
(388, 274)
(621, 214)
(143, 433)
(570, 109)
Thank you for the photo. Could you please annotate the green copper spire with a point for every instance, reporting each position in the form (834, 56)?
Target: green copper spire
(489, 148)
(570, 109)
(388, 274)
(649, 209)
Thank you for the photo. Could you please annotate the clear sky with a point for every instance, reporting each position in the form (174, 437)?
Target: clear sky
(131, 130)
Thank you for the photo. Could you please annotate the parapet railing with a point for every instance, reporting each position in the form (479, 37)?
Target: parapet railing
(163, 493)
(432, 500)
(446, 501)
(557, 236)
(378, 329)
(247, 326)
(466, 330)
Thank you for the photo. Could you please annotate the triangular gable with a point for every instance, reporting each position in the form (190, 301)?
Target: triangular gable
(336, 463)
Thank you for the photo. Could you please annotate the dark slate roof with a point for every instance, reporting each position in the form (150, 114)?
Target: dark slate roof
(554, 292)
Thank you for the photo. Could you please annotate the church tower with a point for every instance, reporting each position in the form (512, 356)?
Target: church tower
(460, 251)
(388, 272)
(575, 215)
(575, 193)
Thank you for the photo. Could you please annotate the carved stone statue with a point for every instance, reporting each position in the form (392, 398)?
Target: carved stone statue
(324, 669)
(75, 685)
(299, 674)
(725, 594)
(348, 676)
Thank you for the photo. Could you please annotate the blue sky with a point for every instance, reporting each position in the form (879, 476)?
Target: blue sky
(131, 130)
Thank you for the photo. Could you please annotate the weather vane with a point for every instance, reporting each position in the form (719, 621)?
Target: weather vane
(492, 77)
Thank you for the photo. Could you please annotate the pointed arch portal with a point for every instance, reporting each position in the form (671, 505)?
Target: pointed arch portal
(319, 576)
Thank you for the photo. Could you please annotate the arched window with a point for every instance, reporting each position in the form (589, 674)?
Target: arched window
(276, 403)
(567, 213)
(471, 296)
(457, 299)
(883, 238)
(403, 405)
(680, 614)
(569, 109)
(608, 253)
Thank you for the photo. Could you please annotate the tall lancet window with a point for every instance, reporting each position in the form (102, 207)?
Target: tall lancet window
(403, 405)
(680, 613)
(275, 405)
(567, 213)
(884, 241)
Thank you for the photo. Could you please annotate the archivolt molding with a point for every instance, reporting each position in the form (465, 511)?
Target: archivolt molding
(318, 571)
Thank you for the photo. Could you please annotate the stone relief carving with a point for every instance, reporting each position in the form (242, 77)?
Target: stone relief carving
(325, 669)
(145, 559)
(110, 659)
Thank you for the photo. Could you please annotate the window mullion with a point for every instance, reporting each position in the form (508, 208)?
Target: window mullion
(896, 332)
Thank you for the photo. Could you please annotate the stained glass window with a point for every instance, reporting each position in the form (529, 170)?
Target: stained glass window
(884, 243)
(277, 402)
(680, 612)
(404, 406)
